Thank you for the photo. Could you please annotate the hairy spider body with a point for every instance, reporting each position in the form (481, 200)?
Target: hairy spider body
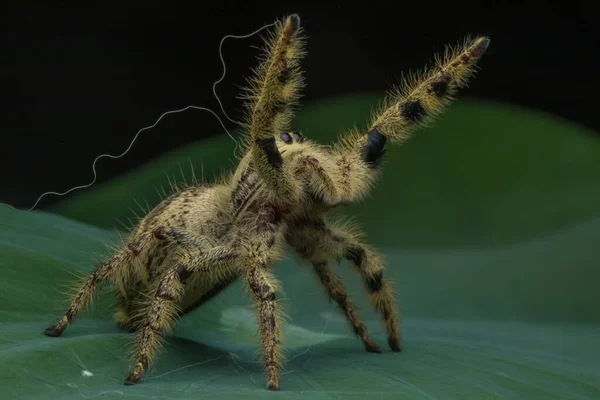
(202, 238)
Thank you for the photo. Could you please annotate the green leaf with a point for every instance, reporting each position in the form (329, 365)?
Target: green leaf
(489, 224)
(448, 352)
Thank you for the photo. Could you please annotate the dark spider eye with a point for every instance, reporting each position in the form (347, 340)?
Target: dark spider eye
(286, 138)
(297, 137)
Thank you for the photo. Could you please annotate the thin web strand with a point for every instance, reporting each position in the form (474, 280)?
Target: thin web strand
(158, 121)
(225, 68)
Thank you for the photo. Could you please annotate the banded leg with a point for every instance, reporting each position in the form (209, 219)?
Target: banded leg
(370, 267)
(314, 240)
(124, 263)
(163, 308)
(420, 99)
(336, 291)
(273, 93)
(105, 272)
(131, 295)
(262, 287)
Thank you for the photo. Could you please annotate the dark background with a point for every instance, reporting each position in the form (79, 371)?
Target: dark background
(79, 82)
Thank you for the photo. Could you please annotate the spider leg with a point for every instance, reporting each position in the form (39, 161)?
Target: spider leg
(370, 267)
(347, 173)
(262, 285)
(218, 276)
(273, 93)
(260, 250)
(336, 291)
(255, 255)
(318, 242)
(159, 314)
(420, 99)
(107, 271)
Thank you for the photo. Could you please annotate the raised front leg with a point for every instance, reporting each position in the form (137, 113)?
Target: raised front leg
(273, 93)
(347, 174)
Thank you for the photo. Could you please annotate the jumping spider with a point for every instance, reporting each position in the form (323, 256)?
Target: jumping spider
(199, 240)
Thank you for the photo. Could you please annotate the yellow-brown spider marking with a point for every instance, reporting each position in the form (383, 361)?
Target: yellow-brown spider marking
(202, 238)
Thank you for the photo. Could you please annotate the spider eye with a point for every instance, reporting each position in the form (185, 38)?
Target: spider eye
(286, 138)
(297, 137)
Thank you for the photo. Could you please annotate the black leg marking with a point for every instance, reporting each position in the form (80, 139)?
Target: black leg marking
(355, 254)
(394, 344)
(412, 110)
(53, 331)
(183, 272)
(177, 235)
(279, 108)
(441, 84)
(372, 151)
(163, 294)
(374, 282)
(271, 151)
(284, 76)
(160, 233)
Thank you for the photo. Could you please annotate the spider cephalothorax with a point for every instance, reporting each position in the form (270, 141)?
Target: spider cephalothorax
(202, 238)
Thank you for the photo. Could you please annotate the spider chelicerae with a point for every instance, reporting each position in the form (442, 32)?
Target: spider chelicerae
(202, 238)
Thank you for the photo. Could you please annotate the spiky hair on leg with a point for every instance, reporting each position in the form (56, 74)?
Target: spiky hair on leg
(424, 95)
(274, 89)
(415, 103)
